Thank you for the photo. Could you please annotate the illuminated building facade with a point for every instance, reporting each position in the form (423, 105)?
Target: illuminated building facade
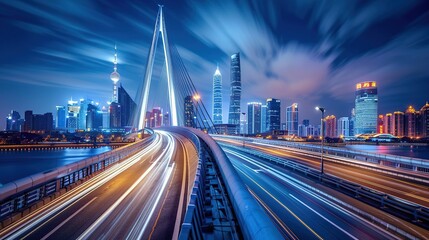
(273, 114)
(380, 124)
(217, 97)
(72, 121)
(424, 121)
(61, 118)
(343, 125)
(13, 121)
(254, 118)
(292, 119)
(263, 118)
(410, 122)
(397, 125)
(366, 107)
(94, 118)
(387, 121)
(115, 115)
(189, 112)
(128, 107)
(235, 97)
(330, 126)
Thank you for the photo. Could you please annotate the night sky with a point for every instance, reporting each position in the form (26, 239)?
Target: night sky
(309, 52)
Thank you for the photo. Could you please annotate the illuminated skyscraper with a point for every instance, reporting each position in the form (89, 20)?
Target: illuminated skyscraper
(410, 122)
(217, 97)
(114, 76)
(115, 115)
(82, 113)
(235, 98)
(366, 107)
(292, 119)
(424, 121)
(380, 124)
(61, 118)
(128, 107)
(387, 121)
(343, 125)
(331, 126)
(397, 124)
(13, 121)
(72, 121)
(273, 114)
(189, 112)
(263, 118)
(254, 118)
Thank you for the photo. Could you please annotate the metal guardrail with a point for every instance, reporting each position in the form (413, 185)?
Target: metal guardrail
(394, 161)
(21, 194)
(411, 210)
(253, 221)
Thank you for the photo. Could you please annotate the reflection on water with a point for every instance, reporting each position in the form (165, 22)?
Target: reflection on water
(407, 151)
(16, 165)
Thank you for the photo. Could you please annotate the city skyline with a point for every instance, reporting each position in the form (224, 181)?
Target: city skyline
(311, 56)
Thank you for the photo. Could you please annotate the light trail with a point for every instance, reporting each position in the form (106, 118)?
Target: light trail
(43, 215)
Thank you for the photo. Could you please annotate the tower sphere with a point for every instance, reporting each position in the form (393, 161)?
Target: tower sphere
(114, 76)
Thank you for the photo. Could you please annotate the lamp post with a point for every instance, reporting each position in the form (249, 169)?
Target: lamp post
(322, 138)
(196, 97)
(244, 126)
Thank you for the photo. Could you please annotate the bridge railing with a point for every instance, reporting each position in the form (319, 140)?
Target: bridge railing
(22, 194)
(253, 221)
(394, 161)
(397, 206)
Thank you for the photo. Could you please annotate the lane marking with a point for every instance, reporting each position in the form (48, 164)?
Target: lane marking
(326, 219)
(68, 219)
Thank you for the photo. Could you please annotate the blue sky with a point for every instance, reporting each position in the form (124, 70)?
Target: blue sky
(309, 52)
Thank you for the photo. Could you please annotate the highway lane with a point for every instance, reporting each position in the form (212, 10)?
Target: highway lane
(403, 188)
(300, 212)
(121, 202)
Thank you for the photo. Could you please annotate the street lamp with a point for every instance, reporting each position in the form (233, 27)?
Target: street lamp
(244, 126)
(322, 139)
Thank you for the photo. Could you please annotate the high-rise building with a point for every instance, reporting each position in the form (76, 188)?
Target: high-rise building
(343, 125)
(398, 124)
(217, 97)
(235, 97)
(82, 113)
(263, 118)
(189, 112)
(306, 122)
(292, 119)
(28, 121)
(366, 107)
(72, 120)
(115, 115)
(128, 107)
(330, 126)
(94, 118)
(166, 119)
(387, 121)
(42, 122)
(157, 117)
(13, 121)
(424, 121)
(352, 122)
(254, 117)
(61, 118)
(114, 76)
(380, 123)
(273, 114)
(302, 130)
(410, 122)
(105, 118)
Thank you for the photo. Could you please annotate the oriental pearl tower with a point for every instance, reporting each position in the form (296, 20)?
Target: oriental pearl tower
(114, 76)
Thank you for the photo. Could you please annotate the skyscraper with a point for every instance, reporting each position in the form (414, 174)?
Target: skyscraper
(235, 98)
(114, 76)
(343, 125)
(410, 122)
(61, 118)
(387, 121)
(292, 119)
(424, 121)
(115, 115)
(28, 121)
(330, 126)
(128, 107)
(13, 121)
(72, 121)
(263, 118)
(254, 118)
(217, 97)
(82, 113)
(366, 106)
(380, 123)
(94, 118)
(397, 124)
(273, 114)
(189, 112)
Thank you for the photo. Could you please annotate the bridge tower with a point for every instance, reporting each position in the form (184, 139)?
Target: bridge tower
(160, 30)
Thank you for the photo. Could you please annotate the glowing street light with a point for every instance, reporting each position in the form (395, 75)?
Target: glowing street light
(321, 137)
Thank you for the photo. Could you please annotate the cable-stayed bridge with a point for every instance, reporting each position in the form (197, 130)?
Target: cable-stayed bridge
(182, 183)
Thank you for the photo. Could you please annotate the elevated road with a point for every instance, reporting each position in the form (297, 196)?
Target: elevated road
(364, 174)
(300, 212)
(126, 201)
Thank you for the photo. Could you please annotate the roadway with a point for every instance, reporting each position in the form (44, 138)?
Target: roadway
(364, 174)
(127, 200)
(298, 211)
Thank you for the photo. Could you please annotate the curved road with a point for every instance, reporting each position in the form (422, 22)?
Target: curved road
(124, 201)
